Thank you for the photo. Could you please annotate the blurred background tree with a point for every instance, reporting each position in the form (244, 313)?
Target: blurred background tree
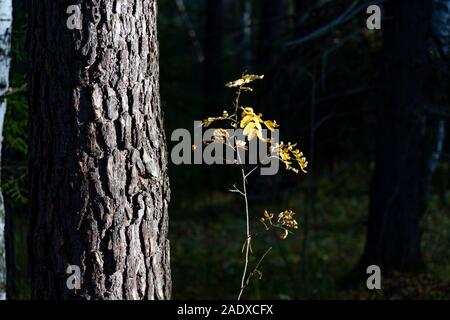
(5, 63)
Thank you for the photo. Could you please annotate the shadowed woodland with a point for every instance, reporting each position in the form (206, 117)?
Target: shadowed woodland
(369, 109)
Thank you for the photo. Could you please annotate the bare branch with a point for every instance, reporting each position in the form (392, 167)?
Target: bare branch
(347, 15)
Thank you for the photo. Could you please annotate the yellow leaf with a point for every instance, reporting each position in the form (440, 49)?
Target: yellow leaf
(252, 77)
(245, 120)
(248, 110)
(271, 125)
(284, 234)
(236, 83)
(246, 78)
(250, 130)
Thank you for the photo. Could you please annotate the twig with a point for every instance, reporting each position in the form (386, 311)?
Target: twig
(248, 239)
(251, 171)
(12, 91)
(244, 194)
(236, 190)
(347, 15)
(256, 269)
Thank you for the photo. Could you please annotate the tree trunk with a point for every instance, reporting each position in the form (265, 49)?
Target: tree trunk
(274, 26)
(393, 237)
(441, 24)
(245, 37)
(435, 126)
(11, 157)
(301, 9)
(5, 60)
(213, 77)
(99, 188)
(441, 37)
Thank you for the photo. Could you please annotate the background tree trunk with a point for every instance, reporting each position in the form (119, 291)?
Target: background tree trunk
(14, 229)
(301, 9)
(5, 61)
(393, 237)
(441, 37)
(435, 125)
(97, 157)
(441, 24)
(213, 77)
(274, 26)
(245, 43)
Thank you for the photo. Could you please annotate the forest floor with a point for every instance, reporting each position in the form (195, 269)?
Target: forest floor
(207, 237)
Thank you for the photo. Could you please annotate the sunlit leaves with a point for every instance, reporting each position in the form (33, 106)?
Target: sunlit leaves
(246, 78)
(251, 123)
(289, 154)
(220, 135)
(271, 125)
(208, 121)
(284, 220)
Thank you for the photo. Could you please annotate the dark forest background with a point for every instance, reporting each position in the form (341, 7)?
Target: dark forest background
(369, 109)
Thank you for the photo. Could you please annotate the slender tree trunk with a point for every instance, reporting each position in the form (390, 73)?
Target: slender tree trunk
(301, 9)
(190, 29)
(213, 78)
(435, 126)
(441, 24)
(434, 143)
(393, 237)
(274, 26)
(10, 157)
(5, 61)
(441, 36)
(245, 38)
(99, 188)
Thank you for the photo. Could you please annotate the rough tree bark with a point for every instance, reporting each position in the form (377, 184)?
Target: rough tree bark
(5, 61)
(97, 156)
(393, 237)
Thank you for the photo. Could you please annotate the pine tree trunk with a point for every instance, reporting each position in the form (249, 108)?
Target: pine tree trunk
(99, 188)
(393, 238)
(5, 60)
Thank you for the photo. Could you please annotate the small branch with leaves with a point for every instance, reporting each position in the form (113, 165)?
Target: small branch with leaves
(252, 124)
